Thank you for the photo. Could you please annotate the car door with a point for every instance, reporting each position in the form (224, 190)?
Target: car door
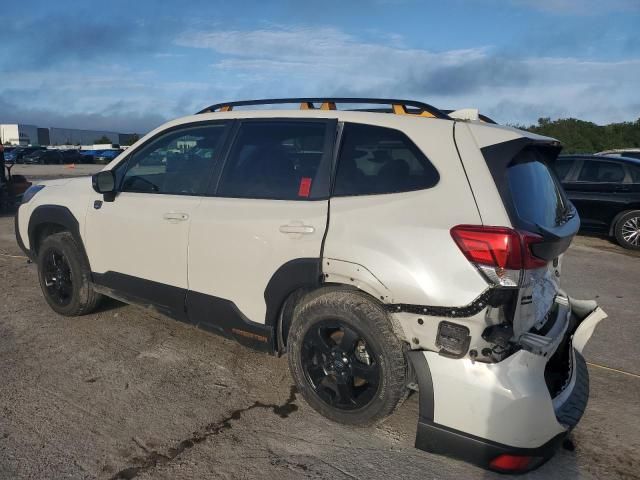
(595, 190)
(137, 243)
(261, 232)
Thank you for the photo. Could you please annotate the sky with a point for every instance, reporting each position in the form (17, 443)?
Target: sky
(131, 65)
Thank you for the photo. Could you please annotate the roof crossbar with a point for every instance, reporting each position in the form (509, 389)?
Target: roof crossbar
(398, 107)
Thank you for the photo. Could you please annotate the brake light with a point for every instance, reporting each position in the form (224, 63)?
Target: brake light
(511, 463)
(500, 253)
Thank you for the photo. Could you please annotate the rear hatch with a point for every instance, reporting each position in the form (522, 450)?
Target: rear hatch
(540, 213)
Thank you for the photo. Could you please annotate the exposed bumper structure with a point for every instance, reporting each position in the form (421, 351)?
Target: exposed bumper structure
(502, 415)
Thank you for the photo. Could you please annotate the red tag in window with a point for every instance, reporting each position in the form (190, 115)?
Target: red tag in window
(305, 187)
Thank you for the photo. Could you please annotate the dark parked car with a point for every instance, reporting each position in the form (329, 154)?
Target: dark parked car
(18, 154)
(72, 156)
(606, 192)
(105, 156)
(44, 157)
(88, 156)
(621, 152)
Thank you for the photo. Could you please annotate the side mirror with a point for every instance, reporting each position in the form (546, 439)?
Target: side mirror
(104, 182)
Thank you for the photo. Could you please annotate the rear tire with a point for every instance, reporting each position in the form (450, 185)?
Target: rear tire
(346, 360)
(65, 276)
(627, 230)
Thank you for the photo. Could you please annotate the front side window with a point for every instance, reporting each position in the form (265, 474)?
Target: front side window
(178, 162)
(601, 172)
(274, 160)
(376, 160)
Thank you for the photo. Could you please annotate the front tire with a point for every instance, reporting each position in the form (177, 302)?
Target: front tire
(65, 277)
(627, 230)
(346, 360)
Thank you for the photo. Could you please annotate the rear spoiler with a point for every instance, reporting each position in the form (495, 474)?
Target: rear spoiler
(469, 114)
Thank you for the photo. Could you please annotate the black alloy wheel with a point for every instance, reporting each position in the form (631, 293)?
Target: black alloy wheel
(339, 364)
(58, 279)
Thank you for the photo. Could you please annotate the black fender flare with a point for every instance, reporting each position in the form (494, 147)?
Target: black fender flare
(57, 215)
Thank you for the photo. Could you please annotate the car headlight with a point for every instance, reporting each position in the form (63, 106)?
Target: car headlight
(31, 191)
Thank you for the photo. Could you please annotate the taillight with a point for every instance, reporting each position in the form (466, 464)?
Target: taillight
(500, 253)
(514, 463)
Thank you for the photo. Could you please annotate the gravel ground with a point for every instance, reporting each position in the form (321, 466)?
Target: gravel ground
(127, 393)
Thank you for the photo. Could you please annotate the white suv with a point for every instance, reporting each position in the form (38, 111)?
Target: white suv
(384, 250)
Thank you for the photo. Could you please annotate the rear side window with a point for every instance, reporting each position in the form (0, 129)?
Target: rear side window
(562, 166)
(635, 173)
(537, 196)
(377, 160)
(274, 160)
(601, 172)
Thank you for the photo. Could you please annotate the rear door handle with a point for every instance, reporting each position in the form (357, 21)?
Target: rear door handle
(173, 217)
(299, 229)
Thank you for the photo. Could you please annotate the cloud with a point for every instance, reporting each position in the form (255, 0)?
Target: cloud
(113, 117)
(47, 40)
(285, 61)
(581, 7)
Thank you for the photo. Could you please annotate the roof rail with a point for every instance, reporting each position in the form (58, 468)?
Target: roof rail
(399, 107)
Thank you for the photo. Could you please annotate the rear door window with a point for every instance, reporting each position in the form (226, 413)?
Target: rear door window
(563, 166)
(377, 160)
(601, 172)
(274, 159)
(537, 197)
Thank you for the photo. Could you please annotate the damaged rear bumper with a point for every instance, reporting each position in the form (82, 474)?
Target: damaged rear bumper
(502, 416)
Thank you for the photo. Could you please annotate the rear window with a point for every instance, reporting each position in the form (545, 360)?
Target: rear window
(377, 160)
(536, 195)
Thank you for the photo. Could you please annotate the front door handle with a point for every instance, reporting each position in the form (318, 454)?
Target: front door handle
(299, 229)
(173, 217)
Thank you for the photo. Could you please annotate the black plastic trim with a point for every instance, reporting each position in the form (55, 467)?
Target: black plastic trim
(474, 307)
(167, 299)
(441, 440)
(208, 312)
(293, 275)
(223, 317)
(425, 382)
(21, 244)
(58, 215)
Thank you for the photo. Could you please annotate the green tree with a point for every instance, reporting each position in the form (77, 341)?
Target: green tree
(103, 139)
(132, 138)
(579, 136)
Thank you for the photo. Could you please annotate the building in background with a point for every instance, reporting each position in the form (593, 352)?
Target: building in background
(71, 136)
(22, 134)
(43, 136)
(19, 134)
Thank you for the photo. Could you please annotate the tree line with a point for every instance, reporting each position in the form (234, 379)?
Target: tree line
(579, 136)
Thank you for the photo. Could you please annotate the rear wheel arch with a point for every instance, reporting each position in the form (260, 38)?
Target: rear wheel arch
(292, 301)
(304, 295)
